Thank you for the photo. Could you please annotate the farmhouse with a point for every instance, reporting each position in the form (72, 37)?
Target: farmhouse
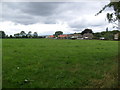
(64, 36)
(87, 36)
(51, 36)
(76, 36)
(70, 36)
(116, 36)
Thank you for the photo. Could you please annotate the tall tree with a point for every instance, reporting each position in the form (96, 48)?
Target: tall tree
(97, 35)
(87, 31)
(11, 36)
(29, 35)
(107, 29)
(58, 33)
(35, 35)
(2, 34)
(23, 34)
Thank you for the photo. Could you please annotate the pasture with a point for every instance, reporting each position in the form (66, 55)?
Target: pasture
(48, 63)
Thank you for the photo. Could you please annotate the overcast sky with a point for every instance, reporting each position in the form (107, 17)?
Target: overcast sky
(47, 17)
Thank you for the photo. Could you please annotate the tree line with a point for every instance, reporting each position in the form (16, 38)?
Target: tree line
(22, 34)
(108, 35)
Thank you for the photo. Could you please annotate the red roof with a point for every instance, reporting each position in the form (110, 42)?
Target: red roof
(51, 36)
(62, 35)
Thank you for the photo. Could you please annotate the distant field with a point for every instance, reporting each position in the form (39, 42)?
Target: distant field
(48, 63)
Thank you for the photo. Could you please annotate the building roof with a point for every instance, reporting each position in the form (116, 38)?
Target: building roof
(62, 35)
(51, 36)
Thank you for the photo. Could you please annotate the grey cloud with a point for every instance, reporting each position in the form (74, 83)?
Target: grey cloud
(51, 13)
(40, 9)
(27, 13)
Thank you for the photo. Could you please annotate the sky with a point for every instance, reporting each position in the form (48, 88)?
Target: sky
(46, 18)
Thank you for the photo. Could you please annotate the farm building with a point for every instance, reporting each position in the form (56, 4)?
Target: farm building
(116, 36)
(64, 36)
(51, 36)
(76, 36)
(87, 36)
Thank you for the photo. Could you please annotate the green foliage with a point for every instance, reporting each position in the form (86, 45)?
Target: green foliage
(48, 63)
(11, 36)
(108, 35)
(87, 31)
(115, 31)
(2, 34)
(23, 34)
(97, 35)
(119, 36)
(58, 33)
(35, 35)
(29, 35)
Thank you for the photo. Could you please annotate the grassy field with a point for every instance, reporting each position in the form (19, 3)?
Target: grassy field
(48, 63)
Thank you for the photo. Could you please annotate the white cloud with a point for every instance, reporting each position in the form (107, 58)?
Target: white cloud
(43, 29)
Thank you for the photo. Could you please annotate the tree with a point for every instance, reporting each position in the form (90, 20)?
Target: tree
(58, 33)
(2, 34)
(107, 29)
(103, 33)
(17, 35)
(87, 31)
(109, 36)
(115, 31)
(11, 36)
(29, 35)
(114, 16)
(23, 34)
(35, 35)
(97, 35)
(119, 36)
(6, 36)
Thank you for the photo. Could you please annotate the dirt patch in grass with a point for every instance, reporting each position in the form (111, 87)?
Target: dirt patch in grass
(110, 79)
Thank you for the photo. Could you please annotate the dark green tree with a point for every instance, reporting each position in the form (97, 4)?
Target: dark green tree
(58, 33)
(2, 34)
(97, 35)
(23, 34)
(35, 35)
(107, 29)
(11, 36)
(109, 36)
(87, 31)
(103, 33)
(29, 35)
(115, 31)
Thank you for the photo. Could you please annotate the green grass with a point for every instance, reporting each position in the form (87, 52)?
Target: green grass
(48, 63)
